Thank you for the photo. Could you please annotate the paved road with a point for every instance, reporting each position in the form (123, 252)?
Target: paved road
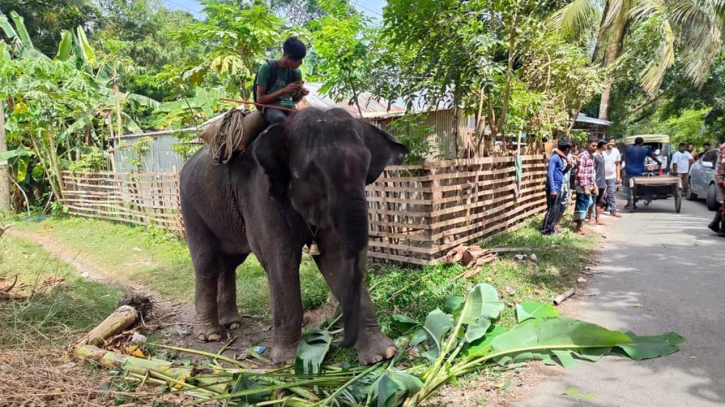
(660, 272)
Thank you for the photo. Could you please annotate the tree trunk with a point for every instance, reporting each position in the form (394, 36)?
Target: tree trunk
(46, 167)
(600, 35)
(354, 96)
(615, 48)
(509, 71)
(54, 161)
(117, 99)
(4, 176)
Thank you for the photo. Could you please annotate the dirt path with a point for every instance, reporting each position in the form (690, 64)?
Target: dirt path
(171, 320)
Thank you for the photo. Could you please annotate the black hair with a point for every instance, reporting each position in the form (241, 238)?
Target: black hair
(592, 139)
(601, 143)
(683, 144)
(610, 138)
(564, 143)
(638, 141)
(295, 48)
(707, 144)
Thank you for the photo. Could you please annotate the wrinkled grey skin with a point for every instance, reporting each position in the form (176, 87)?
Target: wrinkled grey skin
(311, 170)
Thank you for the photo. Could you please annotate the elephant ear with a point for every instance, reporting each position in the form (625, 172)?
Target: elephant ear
(270, 152)
(384, 150)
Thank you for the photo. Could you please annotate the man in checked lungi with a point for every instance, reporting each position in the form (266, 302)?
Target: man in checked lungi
(585, 184)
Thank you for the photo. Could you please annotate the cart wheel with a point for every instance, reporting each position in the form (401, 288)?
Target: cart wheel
(678, 203)
(646, 203)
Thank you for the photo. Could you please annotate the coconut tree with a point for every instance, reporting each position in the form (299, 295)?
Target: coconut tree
(692, 28)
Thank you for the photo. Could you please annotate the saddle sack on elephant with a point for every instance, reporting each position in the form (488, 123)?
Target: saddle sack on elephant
(233, 132)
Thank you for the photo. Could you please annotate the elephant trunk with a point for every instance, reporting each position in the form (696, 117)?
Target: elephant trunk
(351, 222)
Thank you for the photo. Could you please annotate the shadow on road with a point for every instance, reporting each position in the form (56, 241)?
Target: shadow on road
(660, 271)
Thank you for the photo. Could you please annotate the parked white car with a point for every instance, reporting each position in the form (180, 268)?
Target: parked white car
(701, 180)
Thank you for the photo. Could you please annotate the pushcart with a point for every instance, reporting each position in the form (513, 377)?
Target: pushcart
(650, 188)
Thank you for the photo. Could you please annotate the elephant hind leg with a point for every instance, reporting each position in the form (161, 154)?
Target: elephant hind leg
(227, 292)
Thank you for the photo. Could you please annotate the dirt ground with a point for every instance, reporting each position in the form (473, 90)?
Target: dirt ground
(172, 323)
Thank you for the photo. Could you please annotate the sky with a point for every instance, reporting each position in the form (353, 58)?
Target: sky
(371, 8)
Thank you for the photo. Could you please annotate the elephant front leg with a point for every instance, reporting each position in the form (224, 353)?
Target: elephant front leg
(372, 346)
(286, 299)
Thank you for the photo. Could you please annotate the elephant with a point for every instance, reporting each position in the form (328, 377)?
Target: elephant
(297, 183)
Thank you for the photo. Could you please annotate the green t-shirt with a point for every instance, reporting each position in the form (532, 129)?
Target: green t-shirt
(283, 79)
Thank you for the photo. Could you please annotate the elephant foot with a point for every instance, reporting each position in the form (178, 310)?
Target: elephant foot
(284, 353)
(231, 321)
(208, 332)
(374, 348)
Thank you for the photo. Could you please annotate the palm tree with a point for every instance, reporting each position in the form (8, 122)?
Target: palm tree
(692, 27)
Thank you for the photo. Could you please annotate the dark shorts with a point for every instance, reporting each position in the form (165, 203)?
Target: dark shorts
(273, 116)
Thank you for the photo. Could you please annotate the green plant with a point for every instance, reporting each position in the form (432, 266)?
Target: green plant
(412, 130)
(93, 161)
(462, 338)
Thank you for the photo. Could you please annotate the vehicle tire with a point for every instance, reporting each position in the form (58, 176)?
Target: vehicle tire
(690, 195)
(631, 199)
(711, 201)
(678, 203)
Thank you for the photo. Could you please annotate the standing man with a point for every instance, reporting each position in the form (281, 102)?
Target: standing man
(585, 184)
(279, 82)
(718, 224)
(681, 161)
(634, 158)
(600, 181)
(558, 165)
(612, 175)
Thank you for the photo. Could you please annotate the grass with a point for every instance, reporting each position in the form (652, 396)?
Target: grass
(162, 262)
(54, 312)
(417, 291)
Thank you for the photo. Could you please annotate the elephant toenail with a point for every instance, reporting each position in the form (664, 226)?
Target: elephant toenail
(214, 337)
(390, 352)
(235, 325)
(201, 337)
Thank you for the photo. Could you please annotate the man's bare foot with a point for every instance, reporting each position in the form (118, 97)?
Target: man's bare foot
(616, 215)
(583, 232)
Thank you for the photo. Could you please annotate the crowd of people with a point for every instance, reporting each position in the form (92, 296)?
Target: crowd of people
(594, 175)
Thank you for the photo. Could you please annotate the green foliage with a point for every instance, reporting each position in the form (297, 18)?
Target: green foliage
(92, 161)
(311, 352)
(412, 130)
(232, 42)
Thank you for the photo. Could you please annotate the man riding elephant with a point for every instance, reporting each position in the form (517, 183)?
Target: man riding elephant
(279, 82)
(298, 183)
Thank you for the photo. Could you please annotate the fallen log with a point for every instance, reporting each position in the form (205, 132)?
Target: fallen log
(122, 318)
(160, 369)
(563, 297)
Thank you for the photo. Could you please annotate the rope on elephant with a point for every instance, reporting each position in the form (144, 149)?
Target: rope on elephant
(228, 137)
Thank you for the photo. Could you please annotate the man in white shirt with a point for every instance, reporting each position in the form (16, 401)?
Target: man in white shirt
(681, 161)
(612, 174)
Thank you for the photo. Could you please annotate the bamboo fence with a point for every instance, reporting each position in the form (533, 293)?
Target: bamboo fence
(144, 199)
(420, 212)
(417, 212)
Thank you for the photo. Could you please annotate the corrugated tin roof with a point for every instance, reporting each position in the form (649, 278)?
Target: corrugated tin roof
(582, 118)
(370, 107)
